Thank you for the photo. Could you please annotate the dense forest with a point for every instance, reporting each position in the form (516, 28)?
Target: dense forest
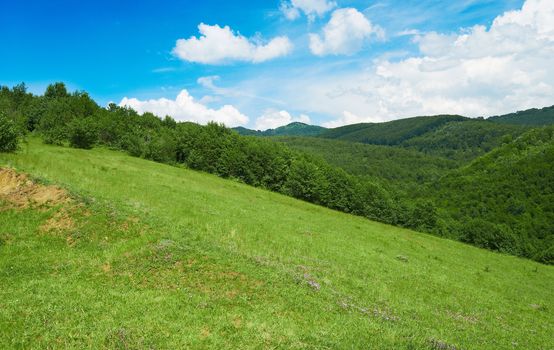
(390, 133)
(534, 116)
(472, 180)
(505, 199)
(392, 165)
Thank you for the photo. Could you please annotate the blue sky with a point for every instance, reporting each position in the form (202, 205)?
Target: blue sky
(118, 49)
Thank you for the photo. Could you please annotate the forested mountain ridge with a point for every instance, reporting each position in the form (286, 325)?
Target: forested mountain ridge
(398, 131)
(390, 133)
(465, 140)
(534, 116)
(292, 129)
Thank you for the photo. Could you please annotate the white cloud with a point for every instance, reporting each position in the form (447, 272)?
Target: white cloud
(220, 45)
(409, 32)
(348, 118)
(208, 82)
(273, 119)
(185, 108)
(290, 12)
(311, 8)
(479, 71)
(535, 14)
(345, 33)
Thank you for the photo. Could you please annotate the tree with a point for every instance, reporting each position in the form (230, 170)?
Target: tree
(423, 216)
(491, 236)
(305, 181)
(54, 123)
(82, 133)
(56, 90)
(8, 134)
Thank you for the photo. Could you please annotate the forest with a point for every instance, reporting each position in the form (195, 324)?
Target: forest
(484, 183)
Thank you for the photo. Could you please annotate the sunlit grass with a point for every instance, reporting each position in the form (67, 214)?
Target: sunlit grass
(170, 258)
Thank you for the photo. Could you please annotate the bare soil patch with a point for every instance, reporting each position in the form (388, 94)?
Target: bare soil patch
(18, 191)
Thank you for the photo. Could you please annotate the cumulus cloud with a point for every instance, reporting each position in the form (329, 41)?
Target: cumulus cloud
(479, 71)
(272, 119)
(311, 8)
(348, 118)
(345, 33)
(220, 45)
(185, 108)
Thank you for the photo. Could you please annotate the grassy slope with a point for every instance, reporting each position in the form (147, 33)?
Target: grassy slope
(214, 263)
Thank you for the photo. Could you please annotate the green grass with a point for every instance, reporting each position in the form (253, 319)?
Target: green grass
(171, 258)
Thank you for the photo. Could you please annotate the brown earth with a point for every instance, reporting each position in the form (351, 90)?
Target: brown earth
(18, 191)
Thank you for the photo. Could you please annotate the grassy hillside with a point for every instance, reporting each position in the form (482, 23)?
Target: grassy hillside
(390, 133)
(146, 255)
(292, 129)
(534, 116)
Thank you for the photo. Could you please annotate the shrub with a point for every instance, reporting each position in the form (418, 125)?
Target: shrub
(8, 134)
(490, 236)
(82, 133)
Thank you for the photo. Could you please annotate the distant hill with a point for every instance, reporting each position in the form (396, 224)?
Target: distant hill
(390, 133)
(466, 140)
(544, 116)
(247, 132)
(292, 129)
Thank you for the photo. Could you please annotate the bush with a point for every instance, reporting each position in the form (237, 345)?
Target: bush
(8, 134)
(490, 236)
(82, 133)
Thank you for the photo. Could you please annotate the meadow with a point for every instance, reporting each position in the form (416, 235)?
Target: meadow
(142, 255)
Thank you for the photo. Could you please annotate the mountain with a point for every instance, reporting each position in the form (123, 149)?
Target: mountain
(537, 117)
(248, 132)
(506, 197)
(465, 140)
(112, 251)
(292, 129)
(390, 133)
